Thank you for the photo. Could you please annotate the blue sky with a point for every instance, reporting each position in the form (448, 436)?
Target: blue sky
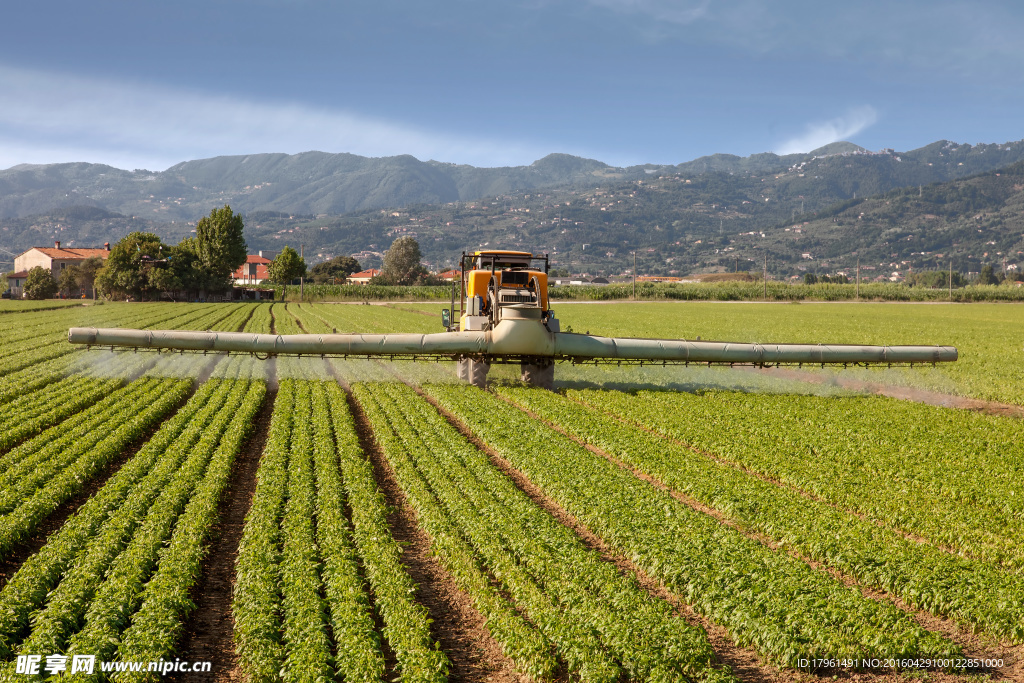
(148, 84)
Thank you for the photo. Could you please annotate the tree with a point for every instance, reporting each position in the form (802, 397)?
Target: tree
(68, 281)
(128, 268)
(987, 276)
(40, 284)
(339, 267)
(220, 245)
(402, 263)
(188, 268)
(87, 270)
(810, 279)
(286, 267)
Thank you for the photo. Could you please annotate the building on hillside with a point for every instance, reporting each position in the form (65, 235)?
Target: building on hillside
(253, 271)
(53, 259)
(450, 275)
(362, 277)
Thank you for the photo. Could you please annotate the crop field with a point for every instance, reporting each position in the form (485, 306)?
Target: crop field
(195, 517)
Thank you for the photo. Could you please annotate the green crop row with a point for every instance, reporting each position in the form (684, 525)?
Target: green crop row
(284, 322)
(22, 306)
(970, 591)
(359, 658)
(71, 468)
(36, 460)
(306, 644)
(406, 625)
(766, 599)
(131, 489)
(28, 380)
(157, 626)
(602, 624)
(257, 596)
(520, 640)
(98, 593)
(298, 560)
(949, 476)
(151, 315)
(260, 321)
(45, 408)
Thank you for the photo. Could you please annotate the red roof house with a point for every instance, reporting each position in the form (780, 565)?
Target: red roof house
(253, 271)
(362, 277)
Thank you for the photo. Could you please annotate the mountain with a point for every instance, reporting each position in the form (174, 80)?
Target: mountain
(319, 183)
(680, 224)
(972, 222)
(704, 214)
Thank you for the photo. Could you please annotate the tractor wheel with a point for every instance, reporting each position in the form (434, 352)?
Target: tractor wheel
(478, 373)
(462, 369)
(542, 376)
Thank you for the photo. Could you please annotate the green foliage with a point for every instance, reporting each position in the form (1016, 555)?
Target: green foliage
(40, 284)
(87, 271)
(337, 268)
(67, 283)
(699, 459)
(220, 245)
(987, 276)
(287, 266)
(766, 599)
(548, 574)
(402, 264)
(130, 265)
(935, 279)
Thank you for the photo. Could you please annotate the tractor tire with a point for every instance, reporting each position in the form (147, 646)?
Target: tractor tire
(462, 369)
(478, 373)
(542, 376)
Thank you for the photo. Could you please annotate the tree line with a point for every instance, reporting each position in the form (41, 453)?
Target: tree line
(142, 267)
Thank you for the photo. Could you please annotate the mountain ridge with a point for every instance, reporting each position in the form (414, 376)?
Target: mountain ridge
(336, 183)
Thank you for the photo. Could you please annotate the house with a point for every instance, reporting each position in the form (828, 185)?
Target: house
(53, 259)
(253, 271)
(16, 281)
(450, 275)
(362, 277)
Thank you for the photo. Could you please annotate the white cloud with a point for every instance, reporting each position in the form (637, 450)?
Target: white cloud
(822, 133)
(48, 117)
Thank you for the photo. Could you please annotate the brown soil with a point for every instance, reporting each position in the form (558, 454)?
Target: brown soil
(209, 631)
(745, 662)
(457, 626)
(55, 520)
(973, 645)
(934, 398)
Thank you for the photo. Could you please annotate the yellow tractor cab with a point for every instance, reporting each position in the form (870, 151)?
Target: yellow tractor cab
(501, 284)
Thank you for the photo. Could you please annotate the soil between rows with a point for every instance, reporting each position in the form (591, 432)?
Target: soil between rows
(744, 662)
(209, 631)
(458, 627)
(974, 646)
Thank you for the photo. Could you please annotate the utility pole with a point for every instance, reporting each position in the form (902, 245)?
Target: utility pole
(634, 276)
(951, 279)
(766, 276)
(858, 279)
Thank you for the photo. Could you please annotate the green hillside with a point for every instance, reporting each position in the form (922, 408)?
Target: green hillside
(711, 214)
